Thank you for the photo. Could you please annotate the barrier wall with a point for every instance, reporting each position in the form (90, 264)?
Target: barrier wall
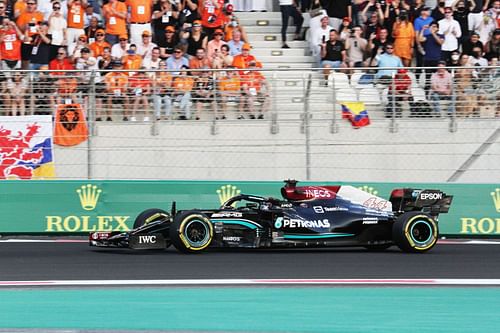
(48, 207)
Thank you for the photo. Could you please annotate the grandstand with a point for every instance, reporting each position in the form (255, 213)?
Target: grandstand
(287, 122)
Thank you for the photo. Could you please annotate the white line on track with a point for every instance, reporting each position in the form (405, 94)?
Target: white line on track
(441, 241)
(254, 282)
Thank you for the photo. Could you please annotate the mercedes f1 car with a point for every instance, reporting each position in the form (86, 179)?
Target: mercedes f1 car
(307, 216)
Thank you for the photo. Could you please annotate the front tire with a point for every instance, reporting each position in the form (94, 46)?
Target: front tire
(415, 232)
(191, 232)
(150, 215)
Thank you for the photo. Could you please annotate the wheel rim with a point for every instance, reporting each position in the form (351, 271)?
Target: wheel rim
(421, 232)
(196, 233)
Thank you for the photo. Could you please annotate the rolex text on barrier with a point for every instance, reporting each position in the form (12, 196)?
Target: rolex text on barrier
(86, 206)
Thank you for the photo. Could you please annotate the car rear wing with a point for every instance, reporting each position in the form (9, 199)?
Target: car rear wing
(433, 202)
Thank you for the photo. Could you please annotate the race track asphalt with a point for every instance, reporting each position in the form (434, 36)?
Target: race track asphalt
(77, 261)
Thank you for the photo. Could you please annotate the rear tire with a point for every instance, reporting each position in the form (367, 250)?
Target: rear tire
(191, 232)
(415, 232)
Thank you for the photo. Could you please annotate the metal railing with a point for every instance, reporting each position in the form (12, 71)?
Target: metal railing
(278, 96)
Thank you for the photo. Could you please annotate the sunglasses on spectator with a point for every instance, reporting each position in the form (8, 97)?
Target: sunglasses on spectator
(82, 39)
(2, 7)
(123, 40)
(31, 3)
(99, 35)
(177, 51)
(56, 8)
(61, 53)
(389, 47)
(217, 34)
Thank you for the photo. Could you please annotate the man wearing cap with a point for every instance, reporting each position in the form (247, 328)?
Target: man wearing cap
(424, 20)
(168, 44)
(76, 11)
(215, 44)
(119, 50)
(243, 60)
(75, 48)
(145, 47)
(165, 13)
(115, 13)
(116, 90)
(98, 46)
(139, 17)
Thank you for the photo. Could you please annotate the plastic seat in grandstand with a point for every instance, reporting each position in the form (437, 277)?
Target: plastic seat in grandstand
(338, 80)
(357, 84)
(346, 95)
(418, 94)
(413, 77)
(370, 96)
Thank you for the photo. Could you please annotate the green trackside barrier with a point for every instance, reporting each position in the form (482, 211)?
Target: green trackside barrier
(47, 207)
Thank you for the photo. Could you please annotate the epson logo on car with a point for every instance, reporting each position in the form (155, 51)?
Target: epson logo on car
(431, 196)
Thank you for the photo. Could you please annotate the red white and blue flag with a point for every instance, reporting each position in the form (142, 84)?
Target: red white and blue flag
(356, 113)
(26, 147)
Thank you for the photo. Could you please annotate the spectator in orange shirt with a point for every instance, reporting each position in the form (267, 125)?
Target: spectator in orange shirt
(243, 60)
(132, 60)
(115, 13)
(28, 21)
(76, 15)
(139, 90)
(200, 60)
(61, 62)
(252, 83)
(230, 90)
(212, 15)
(10, 45)
(98, 46)
(116, 90)
(182, 86)
(140, 12)
(162, 83)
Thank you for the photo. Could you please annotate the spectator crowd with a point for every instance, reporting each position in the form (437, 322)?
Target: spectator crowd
(186, 37)
(444, 34)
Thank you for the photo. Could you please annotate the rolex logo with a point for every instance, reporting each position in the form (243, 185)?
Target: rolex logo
(368, 189)
(226, 192)
(89, 194)
(496, 199)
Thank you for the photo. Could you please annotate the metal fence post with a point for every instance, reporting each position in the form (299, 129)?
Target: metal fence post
(307, 125)
(453, 116)
(393, 127)
(334, 126)
(274, 109)
(213, 128)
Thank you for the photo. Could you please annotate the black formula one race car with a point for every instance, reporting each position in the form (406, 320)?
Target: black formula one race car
(309, 216)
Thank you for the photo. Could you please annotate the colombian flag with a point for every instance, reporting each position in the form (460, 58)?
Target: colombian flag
(356, 113)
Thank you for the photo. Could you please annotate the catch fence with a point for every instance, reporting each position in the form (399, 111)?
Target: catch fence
(268, 124)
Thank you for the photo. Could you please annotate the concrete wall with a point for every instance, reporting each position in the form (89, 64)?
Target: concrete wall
(420, 151)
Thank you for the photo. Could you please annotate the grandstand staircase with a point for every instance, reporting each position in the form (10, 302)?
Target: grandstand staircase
(264, 34)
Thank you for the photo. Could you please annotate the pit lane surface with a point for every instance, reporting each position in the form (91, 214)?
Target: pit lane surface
(36, 261)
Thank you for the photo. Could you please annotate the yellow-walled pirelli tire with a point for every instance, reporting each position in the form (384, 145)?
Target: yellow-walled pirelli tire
(150, 215)
(415, 232)
(191, 232)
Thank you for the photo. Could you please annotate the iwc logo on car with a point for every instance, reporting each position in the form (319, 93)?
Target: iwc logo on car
(88, 196)
(487, 225)
(226, 192)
